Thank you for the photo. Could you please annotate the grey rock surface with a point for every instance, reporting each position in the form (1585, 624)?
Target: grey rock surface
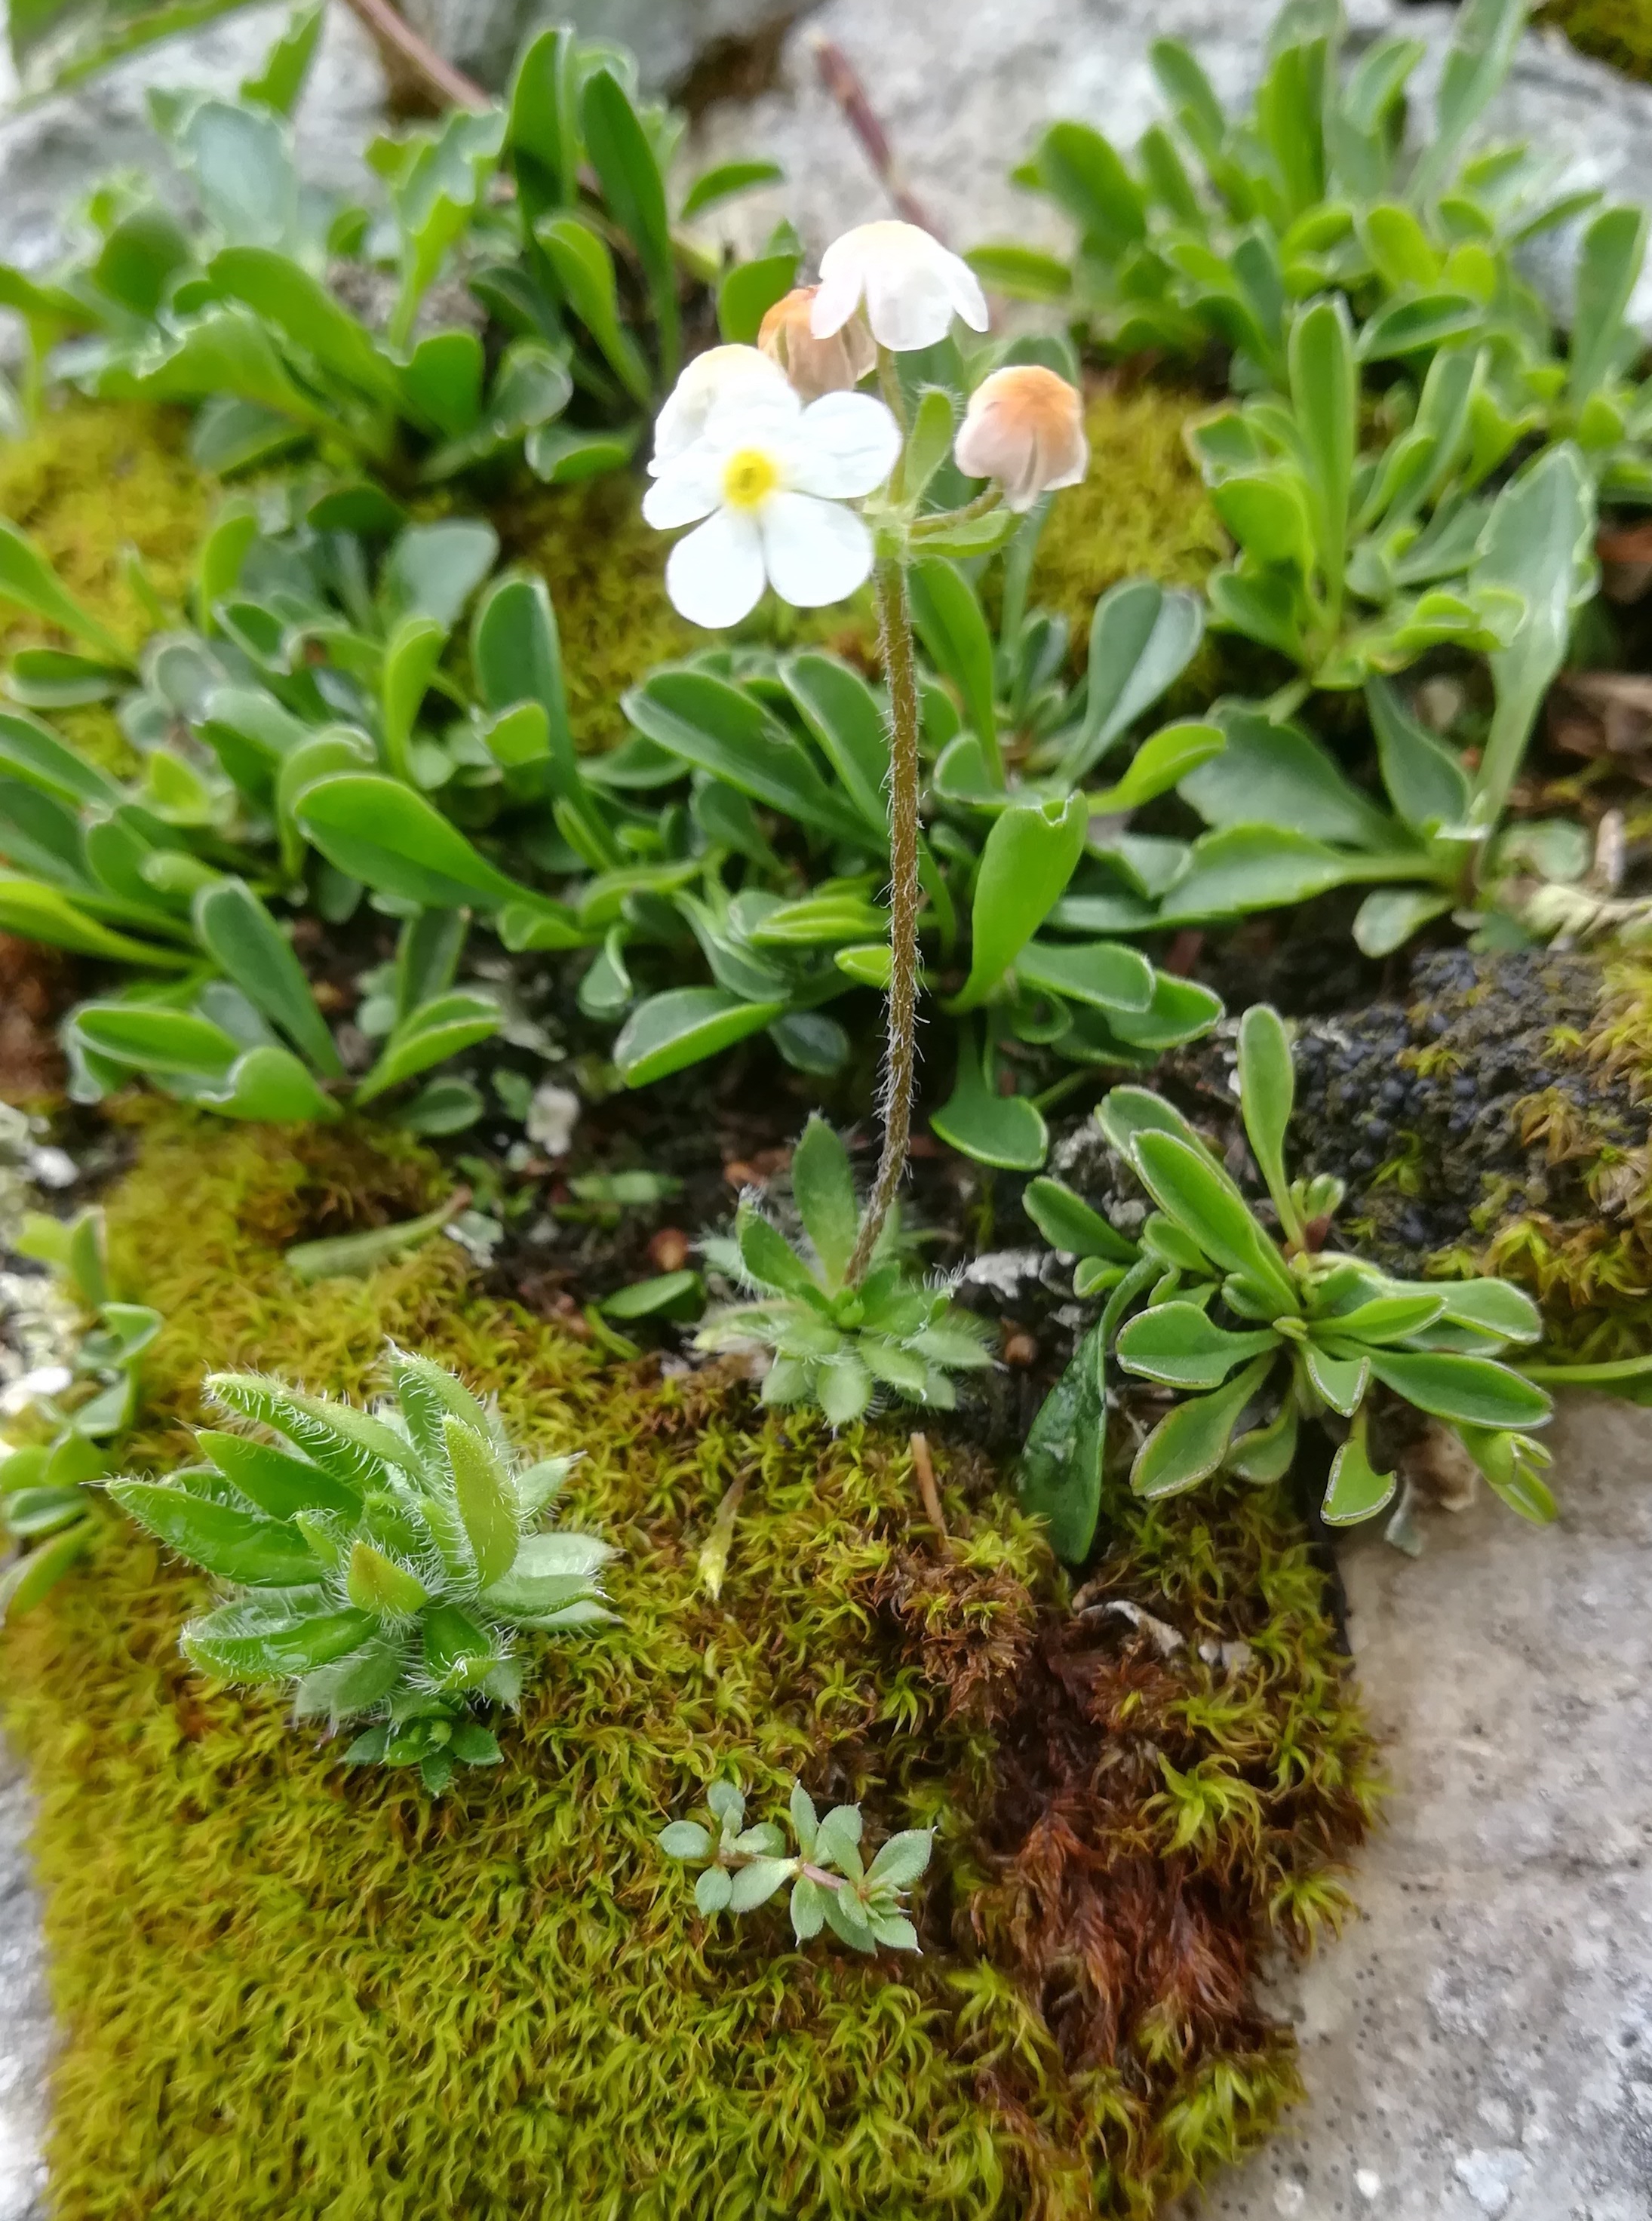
(51, 152)
(1478, 2046)
(666, 37)
(964, 87)
(25, 2014)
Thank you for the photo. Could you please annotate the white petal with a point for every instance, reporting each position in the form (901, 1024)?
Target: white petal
(686, 490)
(1074, 474)
(815, 552)
(754, 416)
(913, 285)
(715, 577)
(909, 309)
(842, 281)
(968, 298)
(847, 446)
(721, 371)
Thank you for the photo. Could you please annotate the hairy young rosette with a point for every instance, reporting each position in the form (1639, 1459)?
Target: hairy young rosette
(814, 366)
(768, 477)
(912, 287)
(1024, 427)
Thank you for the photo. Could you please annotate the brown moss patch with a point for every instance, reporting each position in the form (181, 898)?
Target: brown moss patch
(34, 989)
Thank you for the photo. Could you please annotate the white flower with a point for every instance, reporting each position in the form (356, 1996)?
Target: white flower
(721, 373)
(1024, 427)
(911, 284)
(765, 475)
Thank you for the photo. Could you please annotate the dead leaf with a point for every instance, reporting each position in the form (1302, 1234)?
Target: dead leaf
(1604, 714)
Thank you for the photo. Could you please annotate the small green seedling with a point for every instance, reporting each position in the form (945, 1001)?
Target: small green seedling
(832, 1886)
(835, 1345)
(44, 1505)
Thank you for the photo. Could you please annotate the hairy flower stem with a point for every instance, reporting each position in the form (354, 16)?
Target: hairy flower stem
(895, 636)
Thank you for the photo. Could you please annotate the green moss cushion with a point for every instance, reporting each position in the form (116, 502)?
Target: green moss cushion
(289, 1990)
(1615, 31)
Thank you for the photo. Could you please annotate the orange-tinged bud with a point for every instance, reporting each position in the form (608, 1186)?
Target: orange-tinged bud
(1024, 427)
(815, 366)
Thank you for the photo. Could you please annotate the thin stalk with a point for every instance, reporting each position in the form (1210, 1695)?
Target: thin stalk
(941, 520)
(1060, 1089)
(890, 386)
(838, 75)
(1513, 716)
(924, 1473)
(1018, 571)
(1586, 1375)
(1286, 704)
(895, 636)
(414, 58)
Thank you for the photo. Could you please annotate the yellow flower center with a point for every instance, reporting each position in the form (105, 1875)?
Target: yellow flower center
(748, 478)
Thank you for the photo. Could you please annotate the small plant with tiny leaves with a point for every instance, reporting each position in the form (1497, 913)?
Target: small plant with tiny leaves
(832, 1886)
(838, 1338)
(45, 1507)
(383, 1562)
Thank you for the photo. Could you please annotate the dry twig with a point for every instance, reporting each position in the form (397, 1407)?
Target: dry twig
(924, 1473)
(838, 75)
(413, 58)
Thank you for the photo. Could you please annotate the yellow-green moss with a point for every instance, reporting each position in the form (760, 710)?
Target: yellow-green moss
(1142, 508)
(290, 1992)
(92, 479)
(1592, 1274)
(1615, 31)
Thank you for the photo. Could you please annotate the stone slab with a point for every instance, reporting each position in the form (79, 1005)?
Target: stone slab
(25, 2013)
(53, 151)
(1478, 2046)
(964, 87)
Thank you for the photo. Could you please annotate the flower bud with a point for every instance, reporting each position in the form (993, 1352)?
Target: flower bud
(1024, 427)
(834, 365)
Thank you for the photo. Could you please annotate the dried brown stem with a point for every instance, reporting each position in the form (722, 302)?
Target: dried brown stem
(924, 1473)
(894, 634)
(414, 58)
(841, 79)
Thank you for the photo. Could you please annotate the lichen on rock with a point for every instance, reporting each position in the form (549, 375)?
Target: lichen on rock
(1497, 1120)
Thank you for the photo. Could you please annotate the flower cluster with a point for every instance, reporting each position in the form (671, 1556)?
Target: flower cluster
(761, 448)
